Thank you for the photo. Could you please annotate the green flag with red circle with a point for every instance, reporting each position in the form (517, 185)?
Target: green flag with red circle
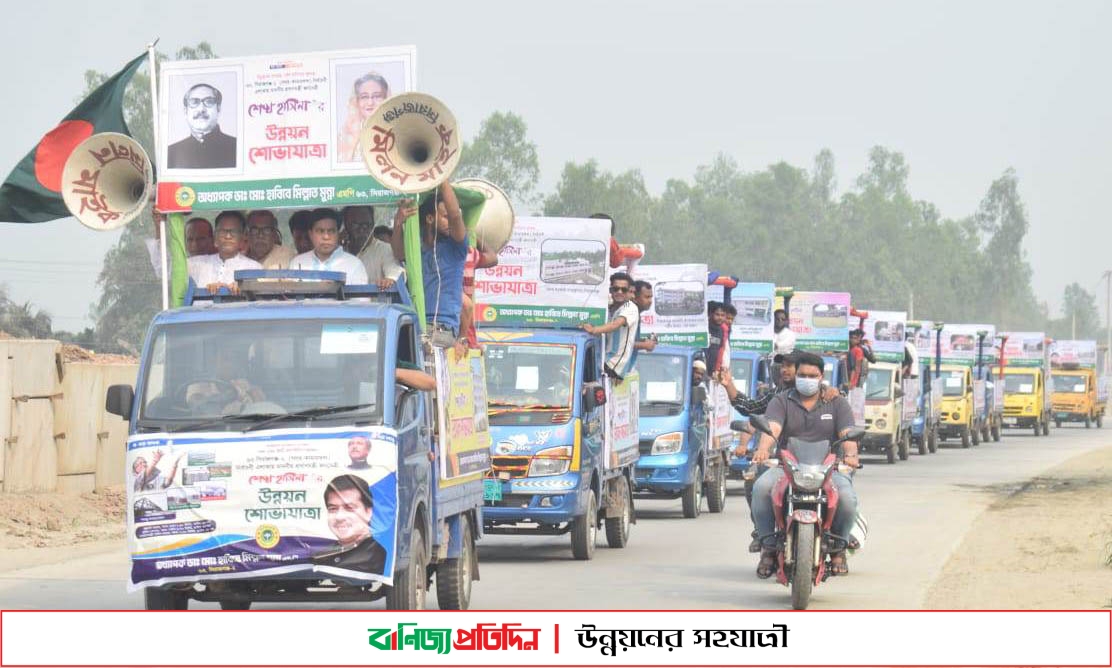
(32, 193)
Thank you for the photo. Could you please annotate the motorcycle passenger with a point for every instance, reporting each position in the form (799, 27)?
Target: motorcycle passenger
(805, 414)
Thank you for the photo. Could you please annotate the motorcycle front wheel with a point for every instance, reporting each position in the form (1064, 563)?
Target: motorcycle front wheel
(803, 569)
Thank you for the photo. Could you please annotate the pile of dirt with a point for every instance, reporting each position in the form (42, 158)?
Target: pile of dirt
(49, 520)
(1044, 545)
(75, 353)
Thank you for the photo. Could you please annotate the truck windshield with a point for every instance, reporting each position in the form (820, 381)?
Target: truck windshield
(1019, 383)
(220, 374)
(530, 375)
(742, 372)
(878, 385)
(662, 382)
(1071, 384)
(953, 383)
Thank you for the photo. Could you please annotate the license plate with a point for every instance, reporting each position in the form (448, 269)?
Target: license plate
(1063, 416)
(1009, 420)
(492, 490)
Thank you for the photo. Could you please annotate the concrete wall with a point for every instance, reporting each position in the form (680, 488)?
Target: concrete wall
(57, 435)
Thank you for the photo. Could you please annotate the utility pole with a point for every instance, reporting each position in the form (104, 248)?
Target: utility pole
(911, 306)
(1108, 318)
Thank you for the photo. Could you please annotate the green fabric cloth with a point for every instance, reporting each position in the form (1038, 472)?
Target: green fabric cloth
(31, 193)
(179, 260)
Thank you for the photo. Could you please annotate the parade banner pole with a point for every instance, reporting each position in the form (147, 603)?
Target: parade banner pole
(414, 276)
(151, 64)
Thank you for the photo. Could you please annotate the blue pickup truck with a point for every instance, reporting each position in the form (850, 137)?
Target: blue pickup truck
(556, 469)
(678, 458)
(304, 469)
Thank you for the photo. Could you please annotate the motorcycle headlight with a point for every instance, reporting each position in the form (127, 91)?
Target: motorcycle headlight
(551, 461)
(809, 478)
(667, 444)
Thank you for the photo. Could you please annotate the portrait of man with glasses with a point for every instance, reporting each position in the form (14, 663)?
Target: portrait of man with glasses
(206, 147)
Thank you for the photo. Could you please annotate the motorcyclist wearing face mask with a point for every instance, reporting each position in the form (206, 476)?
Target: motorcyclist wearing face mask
(806, 414)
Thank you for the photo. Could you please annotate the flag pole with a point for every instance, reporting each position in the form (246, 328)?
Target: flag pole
(158, 221)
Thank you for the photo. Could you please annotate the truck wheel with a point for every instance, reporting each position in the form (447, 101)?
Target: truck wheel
(996, 434)
(932, 441)
(159, 598)
(1057, 424)
(716, 490)
(693, 496)
(1046, 428)
(617, 528)
(453, 576)
(235, 605)
(922, 444)
(1088, 422)
(965, 437)
(985, 434)
(891, 452)
(974, 435)
(584, 530)
(411, 583)
(1100, 421)
(905, 446)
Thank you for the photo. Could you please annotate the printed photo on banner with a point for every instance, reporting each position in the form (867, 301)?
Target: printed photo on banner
(204, 120)
(678, 314)
(573, 261)
(360, 86)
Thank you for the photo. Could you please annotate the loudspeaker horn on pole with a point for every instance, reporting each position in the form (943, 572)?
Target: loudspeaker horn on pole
(411, 143)
(496, 221)
(107, 181)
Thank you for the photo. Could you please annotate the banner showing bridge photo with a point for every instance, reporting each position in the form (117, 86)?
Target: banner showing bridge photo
(678, 315)
(273, 131)
(885, 329)
(553, 272)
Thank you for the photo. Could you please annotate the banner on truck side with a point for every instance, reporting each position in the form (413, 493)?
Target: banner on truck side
(753, 326)
(1081, 353)
(911, 389)
(553, 272)
(820, 321)
(621, 421)
(1025, 349)
(856, 399)
(462, 412)
(720, 414)
(923, 331)
(678, 315)
(885, 329)
(211, 506)
(274, 131)
(959, 344)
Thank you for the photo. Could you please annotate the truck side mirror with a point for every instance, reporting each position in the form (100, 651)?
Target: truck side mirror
(698, 394)
(118, 400)
(898, 393)
(593, 396)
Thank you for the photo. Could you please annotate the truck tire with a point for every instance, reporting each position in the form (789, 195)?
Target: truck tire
(965, 437)
(890, 452)
(716, 489)
(1046, 428)
(617, 528)
(453, 576)
(160, 598)
(1100, 421)
(1088, 421)
(410, 589)
(985, 434)
(974, 436)
(803, 570)
(922, 444)
(932, 441)
(693, 496)
(996, 433)
(235, 605)
(905, 445)
(584, 530)
(1057, 423)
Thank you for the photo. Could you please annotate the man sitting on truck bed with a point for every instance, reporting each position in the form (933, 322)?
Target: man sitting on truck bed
(625, 320)
(327, 254)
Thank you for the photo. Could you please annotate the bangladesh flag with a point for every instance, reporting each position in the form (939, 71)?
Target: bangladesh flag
(32, 193)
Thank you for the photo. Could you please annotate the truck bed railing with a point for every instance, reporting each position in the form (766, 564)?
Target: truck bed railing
(297, 284)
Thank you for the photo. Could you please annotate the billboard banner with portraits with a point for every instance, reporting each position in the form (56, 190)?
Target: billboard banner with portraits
(1025, 349)
(678, 315)
(210, 506)
(273, 131)
(1074, 352)
(820, 321)
(959, 344)
(885, 331)
(552, 273)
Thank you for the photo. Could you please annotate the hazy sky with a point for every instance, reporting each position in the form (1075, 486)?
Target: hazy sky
(963, 89)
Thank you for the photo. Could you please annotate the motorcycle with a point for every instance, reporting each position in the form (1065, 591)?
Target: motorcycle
(804, 501)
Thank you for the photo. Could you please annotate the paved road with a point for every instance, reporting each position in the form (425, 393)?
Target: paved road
(918, 511)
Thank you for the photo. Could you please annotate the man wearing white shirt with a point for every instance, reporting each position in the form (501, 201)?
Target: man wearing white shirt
(377, 257)
(218, 270)
(262, 238)
(198, 241)
(327, 254)
(783, 342)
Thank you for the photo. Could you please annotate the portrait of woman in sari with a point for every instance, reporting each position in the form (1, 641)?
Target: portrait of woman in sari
(368, 92)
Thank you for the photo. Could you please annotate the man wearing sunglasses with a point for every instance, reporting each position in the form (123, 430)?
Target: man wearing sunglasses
(625, 320)
(206, 147)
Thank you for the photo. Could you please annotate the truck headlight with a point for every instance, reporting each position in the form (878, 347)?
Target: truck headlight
(881, 423)
(667, 444)
(551, 461)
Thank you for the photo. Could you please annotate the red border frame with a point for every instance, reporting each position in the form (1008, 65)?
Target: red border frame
(552, 665)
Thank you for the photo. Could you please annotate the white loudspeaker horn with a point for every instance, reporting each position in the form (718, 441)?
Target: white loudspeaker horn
(411, 143)
(496, 222)
(107, 181)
